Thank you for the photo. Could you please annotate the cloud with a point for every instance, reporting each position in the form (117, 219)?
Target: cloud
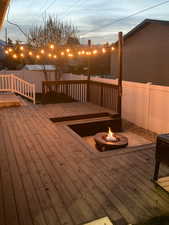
(86, 15)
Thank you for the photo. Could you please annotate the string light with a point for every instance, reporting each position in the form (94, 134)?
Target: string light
(52, 46)
(70, 55)
(88, 53)
(69, 52)
(95, 52)
(15, 56)
(103, 50)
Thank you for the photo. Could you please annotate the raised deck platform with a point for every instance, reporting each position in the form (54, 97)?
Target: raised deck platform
(50, 176)
(9, 100)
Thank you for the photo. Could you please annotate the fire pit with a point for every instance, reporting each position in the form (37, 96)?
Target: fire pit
(108, 141)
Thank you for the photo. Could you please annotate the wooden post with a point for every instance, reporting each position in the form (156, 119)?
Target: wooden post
(120, 71)
(88, 78)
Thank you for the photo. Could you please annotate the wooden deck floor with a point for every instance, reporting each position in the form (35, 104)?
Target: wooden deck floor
(49, 176)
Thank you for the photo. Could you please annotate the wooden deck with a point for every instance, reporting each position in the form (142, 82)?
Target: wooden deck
(50, 176)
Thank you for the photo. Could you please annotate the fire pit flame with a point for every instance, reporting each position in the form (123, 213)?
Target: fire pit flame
(111, 136)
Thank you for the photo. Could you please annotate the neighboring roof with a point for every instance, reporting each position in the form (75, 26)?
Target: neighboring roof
(3, 8)
(39, 67)
(2, 43)
(142, 25)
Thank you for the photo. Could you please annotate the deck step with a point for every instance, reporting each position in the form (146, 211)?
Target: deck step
(81, 121)
(101, 221)
(9, 100)
(163, 182)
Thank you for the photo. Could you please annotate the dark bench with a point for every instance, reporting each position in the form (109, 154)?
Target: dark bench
(162, 153)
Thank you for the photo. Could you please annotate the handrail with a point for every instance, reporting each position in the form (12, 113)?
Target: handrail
(55, 82)
(104, 83)
(12, 83)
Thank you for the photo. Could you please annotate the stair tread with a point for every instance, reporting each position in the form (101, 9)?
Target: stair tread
(88, 120)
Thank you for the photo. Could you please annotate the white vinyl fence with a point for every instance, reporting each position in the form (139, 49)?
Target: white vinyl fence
(144, 104)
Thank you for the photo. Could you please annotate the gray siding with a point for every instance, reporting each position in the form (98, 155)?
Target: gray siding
(146, 55)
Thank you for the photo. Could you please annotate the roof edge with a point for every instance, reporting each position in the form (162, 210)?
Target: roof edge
(141, 26)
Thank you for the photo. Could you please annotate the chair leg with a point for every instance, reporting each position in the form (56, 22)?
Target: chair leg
(156, 171)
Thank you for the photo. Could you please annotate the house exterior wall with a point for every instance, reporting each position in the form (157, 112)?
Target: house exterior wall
(146, 55)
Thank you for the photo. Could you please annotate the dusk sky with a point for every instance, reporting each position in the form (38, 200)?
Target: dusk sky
(87, 15)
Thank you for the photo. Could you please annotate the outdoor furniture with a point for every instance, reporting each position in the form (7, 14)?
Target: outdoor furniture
(162, 153)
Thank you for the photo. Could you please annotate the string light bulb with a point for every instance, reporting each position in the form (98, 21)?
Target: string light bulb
(52, 46)
(50, 55)
(10, 50)
(95, 52)
(68, 50)
(6, 52)
(112, 48)
(42, 51)
(103, 50)
(21, 48)
(62, 53)
(70, 55)
(38, 56)
(88, 53)
(30, 53)
(15, 56)
(55, 56)
(22, 55)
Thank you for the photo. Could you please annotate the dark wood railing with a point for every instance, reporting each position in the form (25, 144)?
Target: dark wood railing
(103, 94)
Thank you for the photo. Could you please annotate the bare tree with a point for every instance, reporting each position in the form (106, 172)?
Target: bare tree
(56, 32)
(52, 31)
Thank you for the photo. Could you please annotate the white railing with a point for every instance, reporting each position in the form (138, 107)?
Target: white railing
(12, 83)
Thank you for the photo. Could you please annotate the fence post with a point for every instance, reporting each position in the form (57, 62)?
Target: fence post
(147, 106)
(101, 95)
